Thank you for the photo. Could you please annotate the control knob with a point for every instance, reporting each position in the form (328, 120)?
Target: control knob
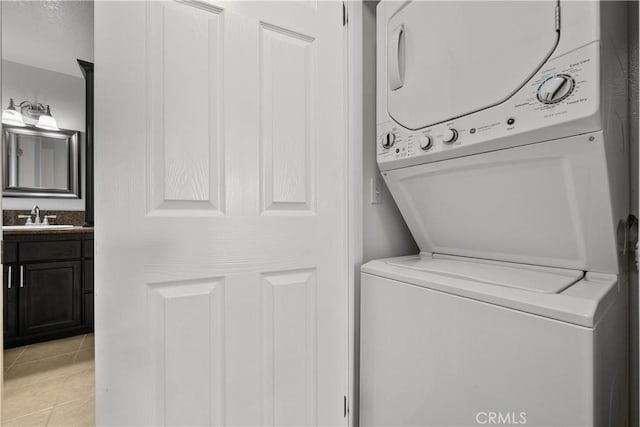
(425, 142)
(450, 136)
(388, 140)
(556, 88)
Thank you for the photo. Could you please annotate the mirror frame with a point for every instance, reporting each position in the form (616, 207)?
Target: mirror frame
(73, 185)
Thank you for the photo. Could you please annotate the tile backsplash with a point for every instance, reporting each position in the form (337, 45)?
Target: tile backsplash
(10, 217)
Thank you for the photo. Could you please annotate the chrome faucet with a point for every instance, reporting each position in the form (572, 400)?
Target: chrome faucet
(36, 211)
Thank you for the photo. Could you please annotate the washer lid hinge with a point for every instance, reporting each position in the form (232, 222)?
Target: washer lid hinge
(628, 237)
(345, 406)
(345, 14)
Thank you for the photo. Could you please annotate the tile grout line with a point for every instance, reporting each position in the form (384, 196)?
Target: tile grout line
(50, 415)
(84, 338)
(75, 357)
(60, 401)
(16, 359)
(44, 358)
(74, 352)
(49, 408)
(66, 402)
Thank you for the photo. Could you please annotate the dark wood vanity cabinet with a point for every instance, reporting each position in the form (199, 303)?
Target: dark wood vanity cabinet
(10, 294)
(50, 299)
(48, 286)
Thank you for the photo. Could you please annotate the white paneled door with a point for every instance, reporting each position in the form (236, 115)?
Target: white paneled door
(221, 213)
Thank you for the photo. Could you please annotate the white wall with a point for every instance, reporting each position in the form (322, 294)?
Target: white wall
(65, 94)
(385, 232)
(40, 44)
(48, 34)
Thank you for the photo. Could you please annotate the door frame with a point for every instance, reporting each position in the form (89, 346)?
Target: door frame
(354, 62)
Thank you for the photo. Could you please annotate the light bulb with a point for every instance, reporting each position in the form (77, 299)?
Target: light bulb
(11, 116)
(46, 121)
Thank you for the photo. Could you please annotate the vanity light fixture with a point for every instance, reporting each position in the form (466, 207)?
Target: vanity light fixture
(46, 121)
(11, 116)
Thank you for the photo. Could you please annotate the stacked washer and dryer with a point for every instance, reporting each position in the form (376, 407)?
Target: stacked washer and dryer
(502, 136)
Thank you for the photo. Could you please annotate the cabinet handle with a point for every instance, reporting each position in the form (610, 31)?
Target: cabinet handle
(22, 276)
(9, 284)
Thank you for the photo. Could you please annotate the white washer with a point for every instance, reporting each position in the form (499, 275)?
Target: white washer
(502, 138)
(453, 342)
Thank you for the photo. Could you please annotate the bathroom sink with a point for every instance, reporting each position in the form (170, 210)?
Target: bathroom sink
(34, 227)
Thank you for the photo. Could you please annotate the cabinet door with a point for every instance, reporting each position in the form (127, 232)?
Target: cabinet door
(50, 296)
(10, 291)
(87, 291)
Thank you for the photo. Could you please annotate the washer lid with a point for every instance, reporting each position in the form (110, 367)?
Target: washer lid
(448, 59)
(528, 278)
(540, 204)
(583, 303)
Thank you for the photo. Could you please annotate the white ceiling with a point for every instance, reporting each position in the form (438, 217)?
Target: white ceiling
(48, 34)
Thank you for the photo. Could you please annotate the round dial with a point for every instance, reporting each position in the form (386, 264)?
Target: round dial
(425, 142)
(388, 140)
(450, 136)
(556, 88)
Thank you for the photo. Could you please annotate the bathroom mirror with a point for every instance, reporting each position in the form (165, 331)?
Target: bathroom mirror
(40, 163)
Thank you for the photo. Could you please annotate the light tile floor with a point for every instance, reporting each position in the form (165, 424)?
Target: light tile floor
(50, 384)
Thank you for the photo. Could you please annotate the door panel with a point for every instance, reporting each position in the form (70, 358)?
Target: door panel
(222, 211)
(289, 343)
(286, 134)
(185, 140)
(187, 348)
(49, 296)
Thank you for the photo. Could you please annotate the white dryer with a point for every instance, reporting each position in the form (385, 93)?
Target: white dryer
(502, 138)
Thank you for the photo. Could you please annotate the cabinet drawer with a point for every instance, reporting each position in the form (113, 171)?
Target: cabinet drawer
(9, 252)
(48, 251)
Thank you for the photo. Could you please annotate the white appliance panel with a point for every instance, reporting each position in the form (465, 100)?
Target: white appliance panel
(544, 204)
(436, 71)
(434, 359)
(529, 278)
(583, 303)
(520, 120)
(518, 117)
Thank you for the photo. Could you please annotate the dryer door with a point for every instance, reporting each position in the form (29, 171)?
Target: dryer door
(449, 59)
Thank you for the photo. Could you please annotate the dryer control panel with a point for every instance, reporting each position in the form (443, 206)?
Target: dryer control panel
(563, 95)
